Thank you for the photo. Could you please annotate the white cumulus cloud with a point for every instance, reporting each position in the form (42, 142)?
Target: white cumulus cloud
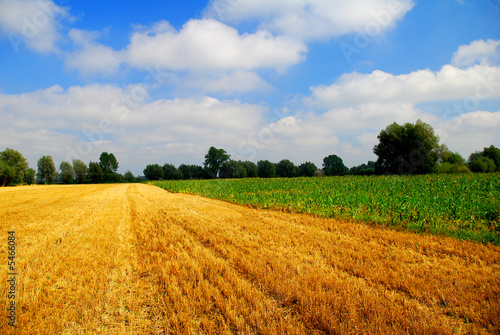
(449, 83)
(477, 52)
(33, 23)
(91, 57)
(312, 19)
(209, 44)
(83, 121)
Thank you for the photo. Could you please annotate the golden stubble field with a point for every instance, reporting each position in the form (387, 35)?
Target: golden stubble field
(134, 259)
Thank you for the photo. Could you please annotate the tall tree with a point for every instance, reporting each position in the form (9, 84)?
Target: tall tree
(109, 166)
(286, 169)
(479, 163)
(266, 169)
(240, 171)
(186, 171)
(251, 168)
(197, 171)
(233, 169)
(153, 172)
(214, 160)
(407, 149)
(129, 177)
(29, 176)
(81, 170)
(16, 160)
(363, 169)
(7, 173)
(449, 162)
(493, 153)
(67, 172)
(46, 169)
(95, 174)
(170, 172)
(307, 169)
(333, 165)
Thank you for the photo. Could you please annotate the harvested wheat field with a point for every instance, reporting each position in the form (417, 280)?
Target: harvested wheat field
(135, 259)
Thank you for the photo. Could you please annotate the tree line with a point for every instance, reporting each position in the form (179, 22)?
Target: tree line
(402, 149)
(14, 169)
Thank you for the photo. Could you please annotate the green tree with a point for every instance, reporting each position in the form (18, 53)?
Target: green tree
(233, 169)
(46, 169)
(449, 162)
(363, 169)
(445, 155)
(480, 163)
(333, 165)
(67, 172)
(197, 172)
(190, 171)
(178, 175)
(286, 169)
(214, 160)
(407, 149)
(95, 174)
(251, 169)
(81, 170)
(129, 177)
(307, 169)
(493, 153)
(186, 171)
(170, 172)
(7, 173)
(29, 176)
(266, 169)
(17, 161)
(153, 172)
(240, 172)
(109, 166)
(118, 178)
(227, 168)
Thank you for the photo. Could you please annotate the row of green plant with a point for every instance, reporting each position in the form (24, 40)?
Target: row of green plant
(465, 206)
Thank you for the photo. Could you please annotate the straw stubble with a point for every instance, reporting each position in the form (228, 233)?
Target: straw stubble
(134, 259)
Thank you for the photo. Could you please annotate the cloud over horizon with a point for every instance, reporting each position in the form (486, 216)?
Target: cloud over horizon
(261, 79)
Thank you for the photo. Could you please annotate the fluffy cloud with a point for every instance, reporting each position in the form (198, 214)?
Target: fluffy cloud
(58, 109)
(359, 105)
(297, 138)
(215, 56)
(348, 132)
(470, 132)
(450, 83)
(373, 116)
(477, 52)
(91, 57)
(312, 19)
(352, 134)
(82, 122)
(209, 44)
(31, 22)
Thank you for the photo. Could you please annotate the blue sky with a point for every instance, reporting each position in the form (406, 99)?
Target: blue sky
(162, 81)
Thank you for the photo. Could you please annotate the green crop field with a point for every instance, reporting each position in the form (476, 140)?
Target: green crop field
(464, 206)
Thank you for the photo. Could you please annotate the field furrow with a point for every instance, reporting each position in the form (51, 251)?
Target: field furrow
(118, 259)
